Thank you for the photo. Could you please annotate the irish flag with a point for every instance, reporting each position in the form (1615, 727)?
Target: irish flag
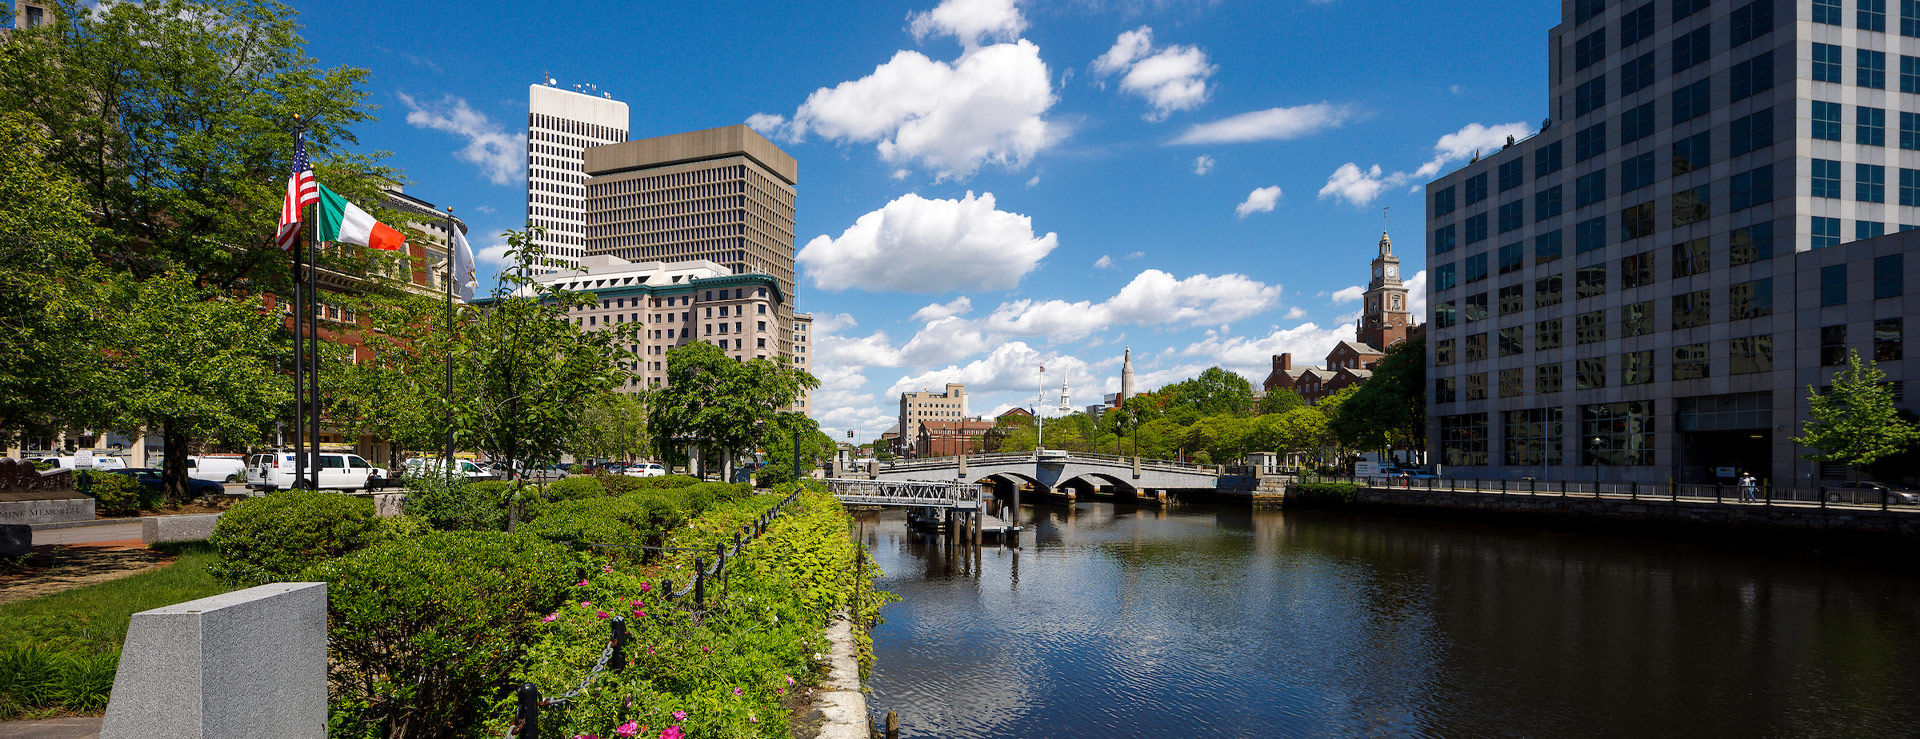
(346, 223)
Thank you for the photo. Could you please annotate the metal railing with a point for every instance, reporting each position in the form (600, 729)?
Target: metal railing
(1822, 496)
(908, 465)
(931, 493)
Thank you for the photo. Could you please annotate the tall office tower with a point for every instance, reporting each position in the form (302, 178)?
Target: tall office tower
(1644, 290)
(561, 124)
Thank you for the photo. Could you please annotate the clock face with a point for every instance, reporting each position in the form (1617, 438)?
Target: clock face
(1391, 269)
(1376, 270)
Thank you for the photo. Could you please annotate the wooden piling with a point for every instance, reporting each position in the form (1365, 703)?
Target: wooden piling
(893, 725)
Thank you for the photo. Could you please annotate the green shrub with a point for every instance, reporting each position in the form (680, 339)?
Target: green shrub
(627, 522)
(33, 678)
(423, 633)
(273, 538)
(582, 486)
(1322, 494)
(665, 481)
(618, 485)
(113, 494)
(393, 528)
(453, 504)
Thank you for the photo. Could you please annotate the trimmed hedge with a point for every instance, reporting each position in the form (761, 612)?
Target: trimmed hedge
(273, 538)
(1322, 494)
(579, 486)
(630, 521)
(424, 633)
(115, 494)
(453, 504)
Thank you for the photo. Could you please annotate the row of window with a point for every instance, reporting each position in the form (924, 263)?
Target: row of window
(1869, 15)
(1745, 245)
(1610, 434)
(1637, 319)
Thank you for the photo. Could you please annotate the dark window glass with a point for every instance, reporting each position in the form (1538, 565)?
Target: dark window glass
(1825, 182)
(1590, 327)
(1635, 25)
(1476, 269)
(1548, 335)
(1751, 188)
(1826, 121)
(1512, 341)
(1870, 69)
(1690, 309)
(1588, 50)
(1443, 276)
(1833, 345)
(1692, 205)
(1546, 378)
(1833, 285)
(1512, 174)
(1476, 187)
(1445, 315)
(1637, 74)
(1546, 203)
(1636, 172)
(1636, 368)
(1590, 188)
(1886, 339)
(1546, 291)
(1868, 229)
(1869, 126)
(1751, 243)
(1692, 152)
(1750, 354)
(1751, 76)
(1513, 299)
(1546, 159)
(1691, 258)
(1910, 17)
(1443, 239)
(1826, 63)
(1750, 299)
(1443, 352)
(1617, 434)
(1590, 374)
(1753, 20)
(1590, 282)
(1444, 387)
(1888, 276)
(1636, 221)
(1751, 133)
(1476, 228)
(1909, 129)
(1589, 235)
(1590, 142)
(1910, 67)
(1589, 96)
(1684, 8)
(1463, 438)
(1443, 201)
(1475, 348)
(1636, 270)
(1637, 123)
(1909, 188)
(1871, 15)
(1636, 319)
(1870, 183)
(1546, 247)
(1692, 101)
(1512, 215)
(1690, 362)
(1692, 48)
(1512, 382)
(1512, 257)
(1824, 11)
(1826, 232)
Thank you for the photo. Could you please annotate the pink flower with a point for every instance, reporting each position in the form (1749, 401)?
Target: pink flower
(636, 604)
(639, 613)
(549, 618)
(649, 650)
(603, 614)
(645, 587)
(607, 569)
(586, 736)
(781, 691)
(586, 604)
(737, 691)
(679, 715)
(789, 680)
(708, 650)
(628, 729)
(751, 719)
(583, 583)
(673, 732)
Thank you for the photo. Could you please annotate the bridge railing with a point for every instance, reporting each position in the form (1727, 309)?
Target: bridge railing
(907, 465)
(937, 493)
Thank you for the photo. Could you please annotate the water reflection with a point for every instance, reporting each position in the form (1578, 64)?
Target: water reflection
(1211, 621)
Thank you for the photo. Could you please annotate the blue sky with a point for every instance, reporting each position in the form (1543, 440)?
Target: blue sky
(986, 186)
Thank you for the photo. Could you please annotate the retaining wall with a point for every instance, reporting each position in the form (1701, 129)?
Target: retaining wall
(1655, 513)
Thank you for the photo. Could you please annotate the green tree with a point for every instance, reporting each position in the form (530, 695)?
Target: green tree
(1280, 400)
(613, 426)
(527, 372)
(399, 393)
(1391, 407)
(194, 363)
(1855, 424)
(815, 448)
(1297, 430)
(1214, 392)
(174, 117)
(721, 406)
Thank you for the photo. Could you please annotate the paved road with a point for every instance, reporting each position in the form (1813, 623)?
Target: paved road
(53, 728)
(88, 534)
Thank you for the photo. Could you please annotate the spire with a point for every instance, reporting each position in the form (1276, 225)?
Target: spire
(1126, 375)
(1386, 245)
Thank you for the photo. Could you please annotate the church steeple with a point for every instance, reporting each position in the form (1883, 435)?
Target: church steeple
(1385, 316)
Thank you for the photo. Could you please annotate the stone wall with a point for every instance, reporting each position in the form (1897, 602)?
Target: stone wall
(1658, 513)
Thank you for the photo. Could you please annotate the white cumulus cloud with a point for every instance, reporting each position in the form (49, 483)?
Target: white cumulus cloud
(1260, 200)
(1253, 357)
(1104, 262)
(1202, 164)
(970, 20)
(1272, 124)
(987, 107)
(1360, 186)
(1296, 312)
(1354, 185)
(1348, 294)
(957, 307)
(501, 156)
(914, 244)
(1171, 79)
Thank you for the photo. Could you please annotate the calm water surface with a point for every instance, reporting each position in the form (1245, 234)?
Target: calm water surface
(1207, 621)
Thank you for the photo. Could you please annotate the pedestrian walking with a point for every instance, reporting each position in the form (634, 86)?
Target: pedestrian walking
(1748, 488)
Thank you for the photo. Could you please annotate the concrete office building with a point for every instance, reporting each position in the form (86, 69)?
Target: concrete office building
(561, 124)
(803, 357)
(927, 405)
(1644, 290)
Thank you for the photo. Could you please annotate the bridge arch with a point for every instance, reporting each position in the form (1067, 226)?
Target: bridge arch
(1003, 482)
(1105, 480)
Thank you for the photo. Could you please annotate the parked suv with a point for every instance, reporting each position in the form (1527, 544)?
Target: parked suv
(343, 471)
(645, 469)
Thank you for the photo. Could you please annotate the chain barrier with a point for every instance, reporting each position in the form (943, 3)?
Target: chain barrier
(526, 720)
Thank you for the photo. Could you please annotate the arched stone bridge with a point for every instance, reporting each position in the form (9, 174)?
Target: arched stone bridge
(1062, 474)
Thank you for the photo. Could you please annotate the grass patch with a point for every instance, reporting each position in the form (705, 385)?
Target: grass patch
(93, 619)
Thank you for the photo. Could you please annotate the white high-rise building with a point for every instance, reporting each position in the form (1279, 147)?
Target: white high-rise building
(560, 125)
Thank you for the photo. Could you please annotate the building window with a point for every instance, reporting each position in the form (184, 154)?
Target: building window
(1826, 232)
(1886, 339)
(1443, 201)
(1590, 188)
(1547, 335)
(1751, 21)
(1636, 270)
(1690, 362)
(1590, 142)
(1869, 126)
(1512, 299)
(1637, 123)
(1826, 59)
(1590, 374)
(1512, 340)
(1692, 152)
(1546, 203)
(1512, 215)
(1463, 439)
(1684, 8)
(1617, 434)
(1546, 378)
(1690, 258)
(1588, 50)
(1475, 307)
(1589, 235)
(1512, 174)
(1476, 228)
(1546, 247)
(1476, 269)
(1869, 183)
(1635, 25)
(1636, 368)
(1443, 239)
(1636, 319)
(1872, 15)
(1888, 276)
(1868, 229)
(1870, 69)
(1636, 221)
(1636, 172)
(1826, 121)
(1590, 327)
(1512, 257)
(1833, 345)
(1690, 309)
(1751, 299)
(1476, 387)
(1750, 354)
(1475, 349)
(1910, 17)
(1547, 159)
(1910, 130)
(1512, 382)
(1692, 101)
(1753, 76)
(1476, 188)
(1532, 437)
(1444, 390)
(1443, 352)
(1590, 282)
(1547, 291)
(1691, 206)
(1833, 285)
(1826, 178)
(1443, 276)
(1692, 48)
(1444, 315)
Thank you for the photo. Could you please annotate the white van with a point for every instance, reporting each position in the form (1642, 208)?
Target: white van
(418, 467)
(217, 468)
(83, 461)
(342, 471)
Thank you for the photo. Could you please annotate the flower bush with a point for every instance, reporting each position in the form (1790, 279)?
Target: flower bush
(273, 538)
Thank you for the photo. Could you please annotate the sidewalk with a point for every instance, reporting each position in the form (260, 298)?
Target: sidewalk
(52, 728)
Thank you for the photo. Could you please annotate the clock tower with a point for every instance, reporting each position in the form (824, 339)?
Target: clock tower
(1385, 316)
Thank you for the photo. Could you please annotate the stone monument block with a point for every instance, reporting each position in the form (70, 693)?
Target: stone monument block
(16, 539)
(194, 527)
(249, 663)
(45, 507)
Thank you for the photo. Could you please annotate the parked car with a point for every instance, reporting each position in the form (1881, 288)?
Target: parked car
(152, 479)
(434, 467)
(645, 469)
(343, 471)
(218, 467)
(1865, 491)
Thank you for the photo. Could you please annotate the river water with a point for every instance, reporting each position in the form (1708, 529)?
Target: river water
(1215, 621)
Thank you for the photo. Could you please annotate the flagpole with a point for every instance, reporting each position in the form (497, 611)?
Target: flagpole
(452, 237)
(299, 345)
(313, 345)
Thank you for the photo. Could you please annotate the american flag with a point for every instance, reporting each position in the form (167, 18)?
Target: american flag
(302, 190)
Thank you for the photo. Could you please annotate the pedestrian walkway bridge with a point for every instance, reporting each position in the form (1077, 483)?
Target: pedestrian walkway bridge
(1056, 473)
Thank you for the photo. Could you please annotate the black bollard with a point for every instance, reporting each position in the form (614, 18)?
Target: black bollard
(666, 589)
(619, 660)
(527, 713)
(699, 583)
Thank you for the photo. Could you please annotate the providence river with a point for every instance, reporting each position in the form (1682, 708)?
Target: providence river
(1208, 621)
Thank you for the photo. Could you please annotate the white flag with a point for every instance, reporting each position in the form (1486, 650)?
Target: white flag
(463, 275)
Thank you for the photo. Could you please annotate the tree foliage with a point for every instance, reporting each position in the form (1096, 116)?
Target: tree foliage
(1391, 407)
(815, 448)
(721, 406)
(399, 392)
(1280, 400)
(613, 426)
(1214, 392)
(1855, 424)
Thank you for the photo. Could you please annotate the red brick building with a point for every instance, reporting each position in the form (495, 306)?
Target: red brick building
(951, 438)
